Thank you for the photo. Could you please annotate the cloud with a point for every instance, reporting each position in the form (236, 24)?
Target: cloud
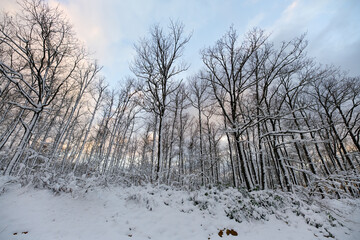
(295, 19)
(255, 21)
(291, 8)
(331, 28)
(109, 28)
(9, 6)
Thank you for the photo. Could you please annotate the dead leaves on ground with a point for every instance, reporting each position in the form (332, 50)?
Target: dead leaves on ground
(228, 232)
(15, 233)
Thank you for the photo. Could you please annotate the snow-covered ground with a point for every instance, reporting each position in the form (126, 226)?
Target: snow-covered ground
(162, 213)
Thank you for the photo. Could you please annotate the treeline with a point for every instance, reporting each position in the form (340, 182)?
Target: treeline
(257, 115)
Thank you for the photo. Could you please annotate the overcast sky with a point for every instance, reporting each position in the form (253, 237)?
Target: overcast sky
(109, 28)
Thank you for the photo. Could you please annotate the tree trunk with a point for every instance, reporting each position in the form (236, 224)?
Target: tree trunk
(23, 143)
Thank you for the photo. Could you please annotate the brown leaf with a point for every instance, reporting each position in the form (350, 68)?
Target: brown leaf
(232, 232)
(221, 233)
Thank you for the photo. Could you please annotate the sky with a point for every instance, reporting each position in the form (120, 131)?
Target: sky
(110, 28)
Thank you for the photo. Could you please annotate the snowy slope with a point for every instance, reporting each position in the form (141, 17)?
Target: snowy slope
(161, 213)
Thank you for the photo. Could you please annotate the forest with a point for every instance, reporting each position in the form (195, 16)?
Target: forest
(258, 115)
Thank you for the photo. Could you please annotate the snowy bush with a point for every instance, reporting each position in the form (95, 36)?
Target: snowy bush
(142, 200)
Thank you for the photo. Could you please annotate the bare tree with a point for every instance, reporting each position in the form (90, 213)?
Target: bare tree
(230, 75)
(156, 64)
(44, 45)
(198, 97)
